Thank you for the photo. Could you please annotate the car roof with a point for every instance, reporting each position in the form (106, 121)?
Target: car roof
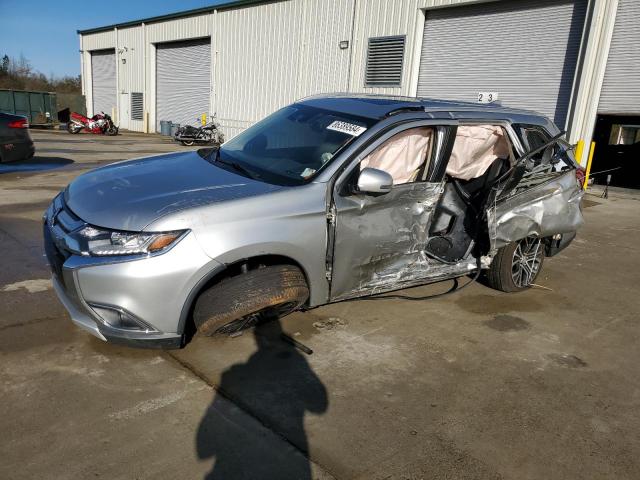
(381, 106)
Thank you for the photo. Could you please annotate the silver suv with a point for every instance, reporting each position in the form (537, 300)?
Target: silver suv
(330, 198)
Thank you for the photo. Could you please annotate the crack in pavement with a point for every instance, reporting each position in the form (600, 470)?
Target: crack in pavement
(27, 322)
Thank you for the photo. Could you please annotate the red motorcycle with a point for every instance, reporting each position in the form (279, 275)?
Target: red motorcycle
(100, 123)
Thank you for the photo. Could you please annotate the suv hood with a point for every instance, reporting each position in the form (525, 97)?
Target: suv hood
(130, 195)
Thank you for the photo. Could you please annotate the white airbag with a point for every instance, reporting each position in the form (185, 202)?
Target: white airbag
(402, 155)
(476, 147)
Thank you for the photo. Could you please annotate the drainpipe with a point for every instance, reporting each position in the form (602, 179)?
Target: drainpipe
(116, 114)
(592, 77)
(82, 74)
(145, 114)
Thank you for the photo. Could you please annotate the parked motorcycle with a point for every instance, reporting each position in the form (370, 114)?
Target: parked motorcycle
(100, 123)
(207, 134)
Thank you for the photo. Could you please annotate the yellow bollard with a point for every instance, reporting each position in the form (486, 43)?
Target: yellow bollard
(204, 119)
(579, 149)
(586, 175)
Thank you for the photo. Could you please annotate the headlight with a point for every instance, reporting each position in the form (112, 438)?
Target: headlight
(99, 242)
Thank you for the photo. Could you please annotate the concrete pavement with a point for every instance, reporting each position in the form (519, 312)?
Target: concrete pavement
(480, 384)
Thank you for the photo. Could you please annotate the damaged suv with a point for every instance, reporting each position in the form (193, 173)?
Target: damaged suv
(330, 198)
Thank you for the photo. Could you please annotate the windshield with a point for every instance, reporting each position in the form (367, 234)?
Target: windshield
(292, 145)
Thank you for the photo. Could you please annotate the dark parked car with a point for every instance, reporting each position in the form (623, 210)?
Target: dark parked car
(15, 140)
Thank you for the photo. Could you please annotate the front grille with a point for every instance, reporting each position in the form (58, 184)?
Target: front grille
(55, 256)
(61, 222)
(65, 219)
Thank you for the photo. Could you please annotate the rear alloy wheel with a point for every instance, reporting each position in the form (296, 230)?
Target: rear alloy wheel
(240, 302)
(517, 265)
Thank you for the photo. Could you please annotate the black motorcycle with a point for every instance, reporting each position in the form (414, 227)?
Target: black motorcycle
(209, 134)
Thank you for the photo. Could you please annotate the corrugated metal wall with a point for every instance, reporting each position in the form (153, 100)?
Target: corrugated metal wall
(621, 87)
(472, 49)
(130, 69)
(257, 51)
(380, 18)
(261, 54)
(103, 77)
(183, 81)
(292, 52)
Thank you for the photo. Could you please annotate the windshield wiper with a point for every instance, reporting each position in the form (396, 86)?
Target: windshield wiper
(236, 166)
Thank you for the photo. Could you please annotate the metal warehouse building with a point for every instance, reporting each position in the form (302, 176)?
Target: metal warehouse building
(574, 60)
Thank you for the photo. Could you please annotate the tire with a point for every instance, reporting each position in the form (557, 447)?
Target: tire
(72, 129)
(510, 271)
(242, 301)
(112, 131)
(187, 143)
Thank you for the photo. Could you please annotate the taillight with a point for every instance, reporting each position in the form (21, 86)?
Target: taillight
(580, 176)
(22, 123)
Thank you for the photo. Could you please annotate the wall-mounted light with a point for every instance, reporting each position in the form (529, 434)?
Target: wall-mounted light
(124, 60)
(344, 44)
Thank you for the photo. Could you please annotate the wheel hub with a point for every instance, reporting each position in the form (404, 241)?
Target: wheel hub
(527, 258)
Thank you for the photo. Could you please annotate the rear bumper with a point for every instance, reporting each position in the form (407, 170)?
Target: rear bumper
(20, 150)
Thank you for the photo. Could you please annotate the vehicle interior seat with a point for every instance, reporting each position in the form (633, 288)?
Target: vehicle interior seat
(481, 154)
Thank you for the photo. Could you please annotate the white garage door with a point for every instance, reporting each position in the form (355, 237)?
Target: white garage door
(621, 87)
(103, 80)
(183, 84)
(526, 50)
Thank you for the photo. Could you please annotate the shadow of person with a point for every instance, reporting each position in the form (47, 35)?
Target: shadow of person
(277, 386)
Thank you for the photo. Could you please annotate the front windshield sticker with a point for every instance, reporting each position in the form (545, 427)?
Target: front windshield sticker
(348, 128)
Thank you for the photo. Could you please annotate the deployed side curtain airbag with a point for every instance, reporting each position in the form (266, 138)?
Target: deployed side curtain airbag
(402, 155)
(475, 149)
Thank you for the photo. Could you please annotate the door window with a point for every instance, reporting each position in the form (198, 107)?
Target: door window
(534, 138)
(405, 156)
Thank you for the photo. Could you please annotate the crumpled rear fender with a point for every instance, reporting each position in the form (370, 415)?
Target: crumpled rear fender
(544, 210)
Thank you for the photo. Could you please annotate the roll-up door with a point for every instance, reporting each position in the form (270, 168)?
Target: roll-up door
(183, 84)
(621, 88)
(525, 50)
(103, 80)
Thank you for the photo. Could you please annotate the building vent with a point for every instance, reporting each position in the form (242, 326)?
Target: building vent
(385, 56)
(137, 106)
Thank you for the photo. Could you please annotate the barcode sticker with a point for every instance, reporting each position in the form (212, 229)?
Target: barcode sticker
(348, 128)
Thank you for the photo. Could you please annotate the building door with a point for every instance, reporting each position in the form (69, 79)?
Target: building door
(103, 80)
(524, 50)
(183, 81)
(620, 93)
(617, 129)
(123, 111)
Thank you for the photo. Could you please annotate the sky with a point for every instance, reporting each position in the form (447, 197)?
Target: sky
(44, 31)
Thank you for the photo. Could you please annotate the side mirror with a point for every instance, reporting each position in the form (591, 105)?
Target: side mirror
(372, 180)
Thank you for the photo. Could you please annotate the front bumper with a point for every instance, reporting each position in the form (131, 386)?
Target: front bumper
(156, 290)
